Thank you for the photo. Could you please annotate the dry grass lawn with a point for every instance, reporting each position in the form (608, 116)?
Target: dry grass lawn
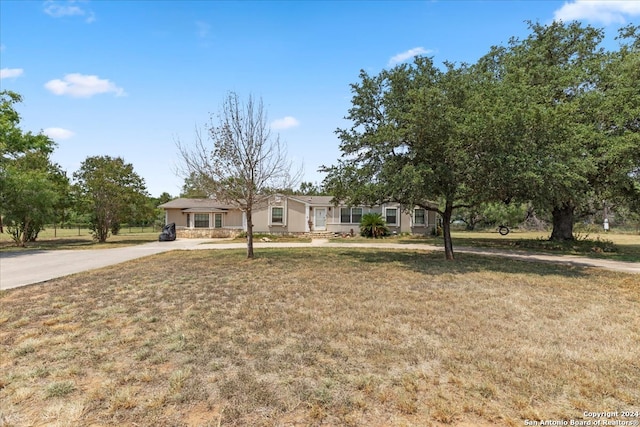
(319, 337)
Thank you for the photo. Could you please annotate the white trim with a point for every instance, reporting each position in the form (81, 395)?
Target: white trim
(413, 218)
(221, 219)
(278, 202)
(201, 214)
(394, 224)
(277, 224)
(351, 221)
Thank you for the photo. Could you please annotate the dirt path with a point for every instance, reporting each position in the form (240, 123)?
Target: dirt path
(25, 268)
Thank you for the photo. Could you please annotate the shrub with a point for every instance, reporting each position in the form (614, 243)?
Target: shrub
(373, 225)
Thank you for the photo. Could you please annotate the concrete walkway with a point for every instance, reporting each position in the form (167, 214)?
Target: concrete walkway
(25, 268)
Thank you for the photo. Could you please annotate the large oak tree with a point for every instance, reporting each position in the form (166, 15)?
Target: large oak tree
(412, 140)
(568, 115)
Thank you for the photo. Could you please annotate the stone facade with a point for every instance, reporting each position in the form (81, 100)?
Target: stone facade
(206, 233)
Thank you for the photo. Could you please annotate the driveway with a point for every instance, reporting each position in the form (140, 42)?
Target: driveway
(25, 268)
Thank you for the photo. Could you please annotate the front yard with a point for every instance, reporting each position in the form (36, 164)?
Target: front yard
(319, 336)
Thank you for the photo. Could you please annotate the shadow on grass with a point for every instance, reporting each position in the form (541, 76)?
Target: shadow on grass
(428, 263)
(48, 244)
(591, 248)
(66, 243)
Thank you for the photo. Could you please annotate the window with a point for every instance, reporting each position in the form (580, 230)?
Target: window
(217, 220)
(277, 215)
(418, 217)
(345, 215)
(356, 215)
(350, 215)
(188, 220)
(201, 220)
(391, 216)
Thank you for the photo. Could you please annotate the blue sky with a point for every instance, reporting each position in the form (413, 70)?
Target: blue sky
(130, 78)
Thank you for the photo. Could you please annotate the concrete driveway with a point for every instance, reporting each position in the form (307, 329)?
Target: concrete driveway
(25, 268)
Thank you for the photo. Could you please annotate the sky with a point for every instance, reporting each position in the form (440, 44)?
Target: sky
(132, 78)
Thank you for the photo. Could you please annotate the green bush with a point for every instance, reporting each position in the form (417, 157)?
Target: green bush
(373, 225)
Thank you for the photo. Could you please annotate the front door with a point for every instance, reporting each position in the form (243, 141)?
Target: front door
(320, 219)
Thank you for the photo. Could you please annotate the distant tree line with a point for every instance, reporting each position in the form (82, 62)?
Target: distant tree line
(34, 191)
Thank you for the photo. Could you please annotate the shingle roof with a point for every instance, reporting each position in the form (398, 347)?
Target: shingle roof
(314, 200)
(183, 203)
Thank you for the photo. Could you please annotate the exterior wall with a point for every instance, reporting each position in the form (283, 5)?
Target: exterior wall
(232, 219)
(430, 224)
(296, 217)
(404, 222)
(334, 224)
(176, 215)
(260, 219)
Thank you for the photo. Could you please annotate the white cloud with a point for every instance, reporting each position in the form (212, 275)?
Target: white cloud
(58, 9)
(603, 11)
(58, 133)
(285, 123)
(82, 86)
(401, 57)
(7, 73)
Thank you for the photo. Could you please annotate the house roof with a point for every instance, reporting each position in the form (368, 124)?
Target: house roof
(314, 200)
(206, 210)
(196, 204)
(210, 205)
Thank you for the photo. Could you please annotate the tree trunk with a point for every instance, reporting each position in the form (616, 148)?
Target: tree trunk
(562, 222)
(249, 235)
(446, 231)
(25, 233)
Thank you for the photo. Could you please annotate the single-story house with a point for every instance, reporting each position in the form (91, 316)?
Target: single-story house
(289, 215)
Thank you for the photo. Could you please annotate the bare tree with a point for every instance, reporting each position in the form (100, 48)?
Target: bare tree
(241, 162)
